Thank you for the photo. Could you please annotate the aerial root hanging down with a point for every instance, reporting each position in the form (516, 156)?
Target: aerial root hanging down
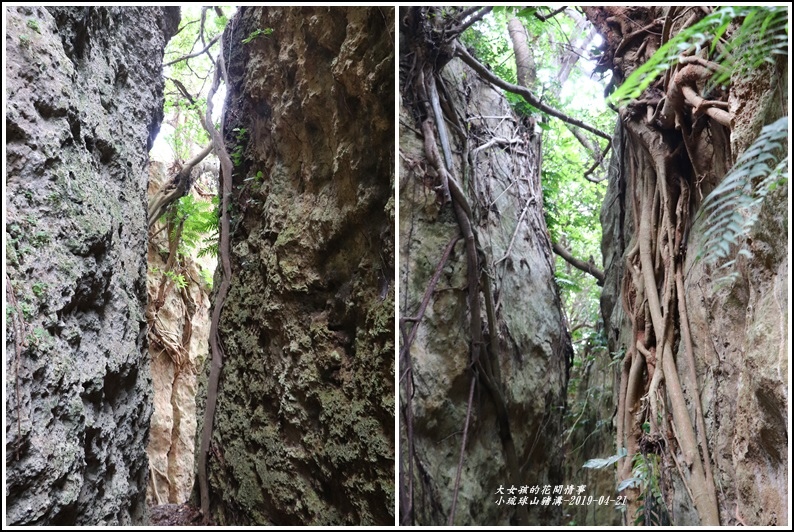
(484, 364)
(405, 360)
(654, 277)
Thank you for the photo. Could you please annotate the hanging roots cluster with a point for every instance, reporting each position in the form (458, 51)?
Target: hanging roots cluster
(672, 142)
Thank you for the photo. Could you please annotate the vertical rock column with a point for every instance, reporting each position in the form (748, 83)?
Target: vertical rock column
(84, 88)
(178, 325)
(304, 426)
(533, 345)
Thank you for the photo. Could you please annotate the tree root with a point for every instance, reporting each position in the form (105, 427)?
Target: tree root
(486, 366)
(660, 293)
(226, 275)
(462, 453)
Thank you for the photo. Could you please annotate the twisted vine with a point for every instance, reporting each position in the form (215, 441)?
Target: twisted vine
(216, 346)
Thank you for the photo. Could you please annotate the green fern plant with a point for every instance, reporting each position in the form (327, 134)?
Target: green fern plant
(651, 510)
(257, 33)
(601, 463)
(200, 225)
(177, 278)
(762, 36)
(732, 208)
(240, 135)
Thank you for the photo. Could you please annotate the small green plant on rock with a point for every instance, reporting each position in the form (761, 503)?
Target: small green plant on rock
(237, 154)
(39, 338)
(256, 34)
(27, 310)
(41, 238)
(54, 199)
(24, 41)
(39, 288)
(652, 510)
(200, 225)
(34, 25)
(257, 178)
(177, 278)
(12, 258)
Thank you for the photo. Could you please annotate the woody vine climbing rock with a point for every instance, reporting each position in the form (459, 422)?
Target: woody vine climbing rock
(482, 374)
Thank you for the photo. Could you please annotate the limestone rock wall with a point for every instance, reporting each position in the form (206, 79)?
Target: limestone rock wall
(304, 427)
(504, 190)
(178, 327)
(741, 337)
(84, 91)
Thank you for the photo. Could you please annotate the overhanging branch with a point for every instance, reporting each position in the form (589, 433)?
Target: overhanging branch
(544, 18)
(587, 267)
(464, 25)
(524, 92)
(178, 186)
(195, 54)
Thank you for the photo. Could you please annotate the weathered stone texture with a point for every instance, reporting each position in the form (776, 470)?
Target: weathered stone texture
(740, 333)
(304, 427)
(84, 91)
(178, 326)
(533, 341)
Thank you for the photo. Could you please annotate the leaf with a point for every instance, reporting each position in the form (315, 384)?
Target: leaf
(601, 463)
(527, 12)
(632, 482)
(743, 51)
(732, 207)
(257, 33)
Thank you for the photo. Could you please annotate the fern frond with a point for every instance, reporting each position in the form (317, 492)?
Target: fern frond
(762, 35)
(732, 208)
(210, 248)
(199, 219)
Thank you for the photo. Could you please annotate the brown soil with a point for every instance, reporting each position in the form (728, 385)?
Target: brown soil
(175, 515)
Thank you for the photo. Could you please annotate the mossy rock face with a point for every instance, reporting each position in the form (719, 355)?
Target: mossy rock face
(304, 428)
(84, 102)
